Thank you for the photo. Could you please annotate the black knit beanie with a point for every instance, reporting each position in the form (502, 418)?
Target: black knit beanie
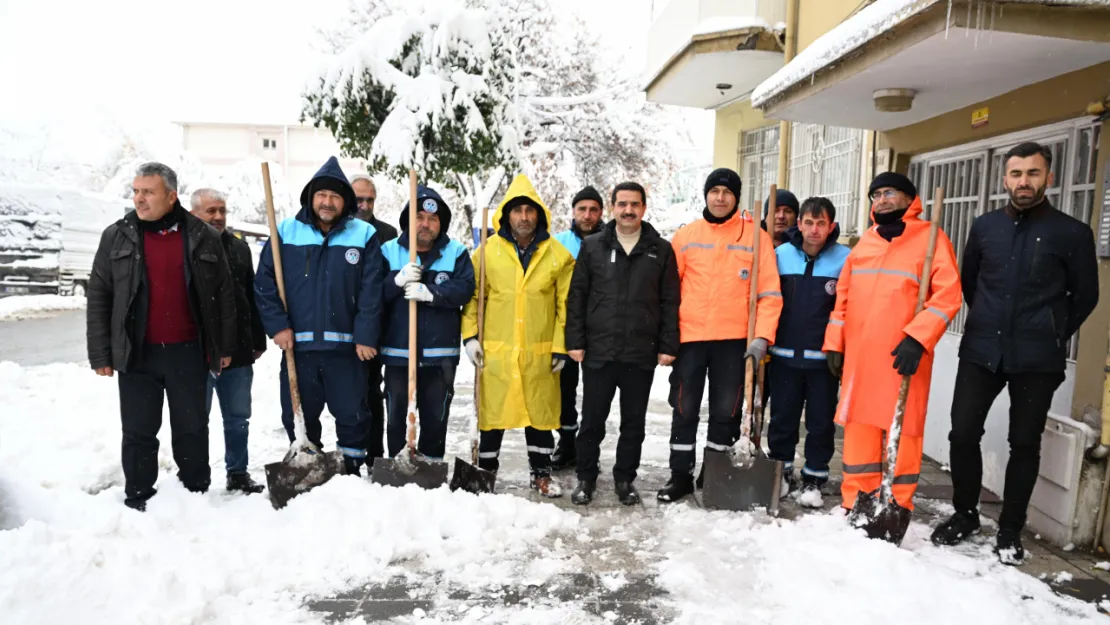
(588, 193)
(893, 180)
(724, 177)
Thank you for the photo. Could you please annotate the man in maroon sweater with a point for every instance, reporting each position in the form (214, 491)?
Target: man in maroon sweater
(161, 311)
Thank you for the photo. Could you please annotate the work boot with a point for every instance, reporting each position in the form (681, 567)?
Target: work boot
(351, 466)
(627, 493)
(243, 483)
(566, 453)
(546, 486)
(958, 527)
(789, 485)
(810, 494)
(1008, 547)
(676, 488)
(584, 492)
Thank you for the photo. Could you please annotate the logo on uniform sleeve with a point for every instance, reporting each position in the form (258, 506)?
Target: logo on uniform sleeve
(830, 287)
(430, 206)
(744, 274)
(352, 256)
(441, 278)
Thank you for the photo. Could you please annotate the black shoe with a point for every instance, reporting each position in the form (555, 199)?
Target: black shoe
(676, 488)
(584, 492)
(243, 483)
(1008, 547)
(627, 493)
(135, 504)
(957, 528)
(701, 477)
(565, 456)
(351, 466)
(790, 483)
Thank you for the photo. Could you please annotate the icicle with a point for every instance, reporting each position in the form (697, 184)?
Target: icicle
(948, 19)
(967, 24)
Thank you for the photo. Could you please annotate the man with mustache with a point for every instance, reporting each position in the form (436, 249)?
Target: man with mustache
(1030, 278)
(441, 281)
(622, 320)
(586, 221)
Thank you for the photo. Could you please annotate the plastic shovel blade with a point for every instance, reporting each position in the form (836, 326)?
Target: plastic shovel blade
(741, 486)
(409, 468)
(472, 479)
(300, 471)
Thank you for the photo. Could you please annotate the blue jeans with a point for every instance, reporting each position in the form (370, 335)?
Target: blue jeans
(233, 387)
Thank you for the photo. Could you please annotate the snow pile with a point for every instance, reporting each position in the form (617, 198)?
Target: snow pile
(739, 568)
(850, 34)
(24, 306)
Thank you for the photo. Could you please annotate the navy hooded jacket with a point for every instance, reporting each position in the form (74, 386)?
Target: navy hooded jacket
(448, 274)
(333, 282)
(808, 298)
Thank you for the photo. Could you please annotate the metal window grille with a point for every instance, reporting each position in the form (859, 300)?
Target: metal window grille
(972, 181)
(825, 161)
(758, 163)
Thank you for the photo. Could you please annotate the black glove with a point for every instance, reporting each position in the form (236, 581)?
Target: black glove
(836, 362)
(907, 356)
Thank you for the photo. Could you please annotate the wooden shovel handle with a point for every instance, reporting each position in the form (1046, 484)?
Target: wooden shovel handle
(279, 276)
(410, 434)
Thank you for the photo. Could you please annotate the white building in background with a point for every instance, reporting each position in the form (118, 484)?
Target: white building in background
(300, 149)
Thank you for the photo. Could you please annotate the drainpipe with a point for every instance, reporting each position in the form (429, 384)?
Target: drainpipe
(784, 126)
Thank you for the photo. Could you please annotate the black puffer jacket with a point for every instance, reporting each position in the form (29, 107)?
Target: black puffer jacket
(250, 337)
(118, 294)
(624, 307)
(1029, 279)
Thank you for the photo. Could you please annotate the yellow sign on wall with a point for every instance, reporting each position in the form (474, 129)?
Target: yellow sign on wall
(980, 117)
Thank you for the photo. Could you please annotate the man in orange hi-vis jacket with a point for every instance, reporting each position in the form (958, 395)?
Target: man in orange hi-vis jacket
(714, 259)
(874, 338)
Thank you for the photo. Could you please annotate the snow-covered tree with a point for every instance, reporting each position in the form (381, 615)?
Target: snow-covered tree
(470, 92)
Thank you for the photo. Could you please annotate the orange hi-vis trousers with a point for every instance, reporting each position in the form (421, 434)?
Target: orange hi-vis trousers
(864, 449)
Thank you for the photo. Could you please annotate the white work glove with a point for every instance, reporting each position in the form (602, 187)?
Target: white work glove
(474, 353)
(409, 273)
(557, 364)
(419, 292)
(757, 349)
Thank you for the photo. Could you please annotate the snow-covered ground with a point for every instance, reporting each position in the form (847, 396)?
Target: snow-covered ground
(70, 551)
(24, 306)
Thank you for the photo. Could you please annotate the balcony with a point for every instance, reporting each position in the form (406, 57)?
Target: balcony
(706, 53)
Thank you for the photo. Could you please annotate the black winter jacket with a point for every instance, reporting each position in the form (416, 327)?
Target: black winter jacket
(250, 336)
(117, 293)
(1029, 279)
(624, 307)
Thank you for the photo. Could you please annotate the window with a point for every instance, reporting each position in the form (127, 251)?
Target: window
(971, 177)
(825, 161)
(269, 144)
(758, 162)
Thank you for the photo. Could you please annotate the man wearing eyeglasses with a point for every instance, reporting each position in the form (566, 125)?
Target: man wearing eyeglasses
(366, 194)
(874, 337)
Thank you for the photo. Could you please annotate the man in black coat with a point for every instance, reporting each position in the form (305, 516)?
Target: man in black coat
(233, 385)
(161, 311)
(1030, 278)
(622, 320)
(366, 194)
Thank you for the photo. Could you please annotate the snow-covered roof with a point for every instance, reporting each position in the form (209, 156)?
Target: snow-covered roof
(870, 22)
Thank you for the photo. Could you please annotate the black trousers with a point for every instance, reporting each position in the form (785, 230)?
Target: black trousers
(541, 444)
(1030, 399)
(723, 361)
(373, 407)
(178, 373)
(435, 387)
(815, 391)
(568, 411)
(601, 383)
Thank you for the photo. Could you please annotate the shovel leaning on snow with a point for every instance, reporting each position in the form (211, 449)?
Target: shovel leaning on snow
(468, 476)
(409, 466)
(744, 477)
(304, 466)
(883, 517)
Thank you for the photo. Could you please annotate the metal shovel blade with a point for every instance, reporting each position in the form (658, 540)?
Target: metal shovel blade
(300, 471)
(409, 468)
(471, 478)
(741, 486)
(885, 522)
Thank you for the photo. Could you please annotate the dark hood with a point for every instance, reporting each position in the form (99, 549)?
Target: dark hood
(541, 220)
(332, 171)
(424, 194)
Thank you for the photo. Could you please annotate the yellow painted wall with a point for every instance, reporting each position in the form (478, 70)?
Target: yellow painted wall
(817, 17)
(731, 121)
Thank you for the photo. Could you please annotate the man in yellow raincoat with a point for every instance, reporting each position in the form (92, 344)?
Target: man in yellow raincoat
(527, 279)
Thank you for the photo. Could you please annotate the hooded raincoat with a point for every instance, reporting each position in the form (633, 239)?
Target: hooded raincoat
(875, 300)
(525, 317)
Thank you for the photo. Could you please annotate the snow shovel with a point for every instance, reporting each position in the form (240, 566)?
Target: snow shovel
(745, 478)
(467, 475)
(410, 466)
(883, 517)
(305, 466)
